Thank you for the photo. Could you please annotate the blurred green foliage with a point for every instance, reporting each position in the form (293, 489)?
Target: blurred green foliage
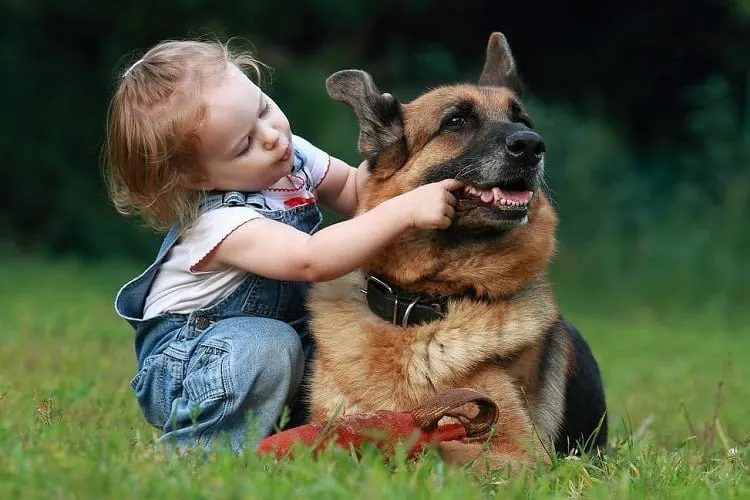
(644, 108)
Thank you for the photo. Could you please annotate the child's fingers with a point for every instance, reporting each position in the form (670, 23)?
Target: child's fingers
(451, 184)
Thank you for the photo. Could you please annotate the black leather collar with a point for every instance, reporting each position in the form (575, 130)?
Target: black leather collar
(402, 308)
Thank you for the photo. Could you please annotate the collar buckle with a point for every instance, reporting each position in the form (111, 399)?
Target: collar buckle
(387, 303)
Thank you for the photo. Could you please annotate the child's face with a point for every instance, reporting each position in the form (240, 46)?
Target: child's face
(246, 144)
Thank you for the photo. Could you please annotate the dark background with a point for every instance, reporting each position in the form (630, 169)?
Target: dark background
(643, 105)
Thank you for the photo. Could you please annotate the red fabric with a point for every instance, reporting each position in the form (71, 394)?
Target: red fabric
(296, 201)
(325, 174)
(382, 428)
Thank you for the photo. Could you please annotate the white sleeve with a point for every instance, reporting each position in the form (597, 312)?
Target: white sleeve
(211, 228)
(316, 162)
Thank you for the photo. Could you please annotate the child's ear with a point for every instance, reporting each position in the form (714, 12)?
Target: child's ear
(197, 181)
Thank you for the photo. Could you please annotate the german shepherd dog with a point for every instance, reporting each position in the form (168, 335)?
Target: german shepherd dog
(465, 307)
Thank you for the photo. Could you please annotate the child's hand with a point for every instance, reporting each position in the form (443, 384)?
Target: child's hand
(430, 206)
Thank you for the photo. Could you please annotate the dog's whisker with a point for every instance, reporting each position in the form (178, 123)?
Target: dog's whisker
(469, 169)
(549, 192)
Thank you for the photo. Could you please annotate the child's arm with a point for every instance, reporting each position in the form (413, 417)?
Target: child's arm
(340, 189)
(276, 250)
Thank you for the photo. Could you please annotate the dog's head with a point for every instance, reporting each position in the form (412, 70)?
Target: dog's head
(503, 231)
(480, 134)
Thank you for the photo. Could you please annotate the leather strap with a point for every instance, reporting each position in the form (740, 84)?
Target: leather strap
(475, 411)
(402, 308)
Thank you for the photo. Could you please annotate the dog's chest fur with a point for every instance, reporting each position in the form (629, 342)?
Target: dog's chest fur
(365, 363)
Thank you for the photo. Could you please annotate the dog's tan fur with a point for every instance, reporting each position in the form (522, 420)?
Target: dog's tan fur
(365, 363)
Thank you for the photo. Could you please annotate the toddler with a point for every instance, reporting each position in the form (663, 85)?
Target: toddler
(195, 147)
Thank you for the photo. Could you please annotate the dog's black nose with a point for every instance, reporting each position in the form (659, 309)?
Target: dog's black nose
(526, 146)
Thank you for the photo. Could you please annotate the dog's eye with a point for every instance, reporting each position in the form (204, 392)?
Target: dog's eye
(454, 122)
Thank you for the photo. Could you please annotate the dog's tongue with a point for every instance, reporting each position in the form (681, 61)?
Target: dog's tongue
(521, 196)
(487, 196)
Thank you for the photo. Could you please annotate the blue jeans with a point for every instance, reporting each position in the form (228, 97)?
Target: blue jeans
(203, 383)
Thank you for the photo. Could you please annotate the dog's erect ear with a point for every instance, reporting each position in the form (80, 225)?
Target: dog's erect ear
(381, 129)
(499, 65)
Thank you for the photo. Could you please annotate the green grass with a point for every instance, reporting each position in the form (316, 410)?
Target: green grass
(70, 428)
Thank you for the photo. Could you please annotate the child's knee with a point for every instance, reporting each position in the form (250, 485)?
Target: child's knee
(268, 357)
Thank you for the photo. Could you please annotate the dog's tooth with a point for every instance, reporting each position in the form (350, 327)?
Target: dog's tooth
(496, 194)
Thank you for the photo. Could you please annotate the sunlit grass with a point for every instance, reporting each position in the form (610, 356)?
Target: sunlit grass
(70, 428)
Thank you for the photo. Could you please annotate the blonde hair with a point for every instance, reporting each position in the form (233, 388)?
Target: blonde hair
(152, 129)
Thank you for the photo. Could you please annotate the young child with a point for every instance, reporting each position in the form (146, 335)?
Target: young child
(195, 146)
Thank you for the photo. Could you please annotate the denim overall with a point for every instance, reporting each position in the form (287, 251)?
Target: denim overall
(202, 374)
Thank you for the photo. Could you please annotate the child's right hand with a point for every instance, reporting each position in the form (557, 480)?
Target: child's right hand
(430, 206)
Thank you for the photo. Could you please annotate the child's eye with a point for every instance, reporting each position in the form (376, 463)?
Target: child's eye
(246, 148)
(266, 108)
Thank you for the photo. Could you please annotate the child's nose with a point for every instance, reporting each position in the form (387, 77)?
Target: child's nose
(269, 136)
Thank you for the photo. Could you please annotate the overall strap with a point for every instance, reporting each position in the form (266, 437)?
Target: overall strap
(131, 298)
(215, 199)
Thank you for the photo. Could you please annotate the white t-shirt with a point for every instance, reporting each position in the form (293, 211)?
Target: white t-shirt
(179, 288)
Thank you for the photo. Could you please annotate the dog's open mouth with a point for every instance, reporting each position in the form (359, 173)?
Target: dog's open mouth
(501, 205)
(509, 197)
